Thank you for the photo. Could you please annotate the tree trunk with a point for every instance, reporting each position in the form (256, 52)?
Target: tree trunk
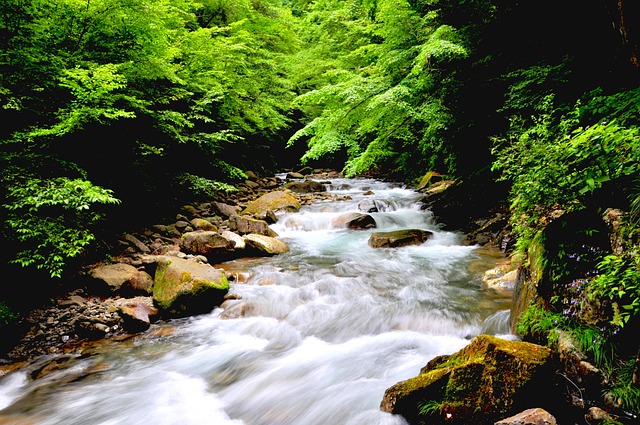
(627, 24)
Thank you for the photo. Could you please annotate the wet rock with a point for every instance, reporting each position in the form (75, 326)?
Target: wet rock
(487, 380)
(354, 221)
(138, 314)
(398, 238)
(374, 205)
(183, 287)
(503, 276)
(265, 245)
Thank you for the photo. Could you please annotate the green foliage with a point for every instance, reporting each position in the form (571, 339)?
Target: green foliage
(204, 81)
(541, 325)
(7, 315)
(596, 343)
(94, 100)
(52, 219)
(538, 323)
(201, 186)
(430, 407)
(381, 100)
(618, 281)
(555, 162)
(624, 391)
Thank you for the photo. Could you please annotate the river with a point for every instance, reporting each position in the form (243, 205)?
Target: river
(317, 336)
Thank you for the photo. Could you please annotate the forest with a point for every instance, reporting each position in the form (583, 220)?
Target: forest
(116, 111)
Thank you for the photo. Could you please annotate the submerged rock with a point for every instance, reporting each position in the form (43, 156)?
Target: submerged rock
(398, 238)
(354, 220)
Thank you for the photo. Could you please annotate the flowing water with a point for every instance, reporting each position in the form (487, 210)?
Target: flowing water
(318, 334)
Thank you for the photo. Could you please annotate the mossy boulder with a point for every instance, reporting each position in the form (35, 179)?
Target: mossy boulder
(278, 200)
(491, 378)
(184, 287)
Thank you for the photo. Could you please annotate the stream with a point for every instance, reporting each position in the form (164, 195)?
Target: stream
(317, 336)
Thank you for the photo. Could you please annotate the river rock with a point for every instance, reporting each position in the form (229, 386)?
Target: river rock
(305, 186)
(183, 287)
(136, 243)
(226, 210)
(237, 240)
(535, 416)
(265, 245)
(398, 238)
(137, 314)
(140, 283)
(245, 225)
(504, 276)
(207, 243)
(110, 278)
(597, 416)
(203, 224)
(354, 220)
(374, 205)
(487, 380)
(277, 200)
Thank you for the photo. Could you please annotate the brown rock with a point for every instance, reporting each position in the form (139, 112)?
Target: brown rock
(398, 238)
(536, 416)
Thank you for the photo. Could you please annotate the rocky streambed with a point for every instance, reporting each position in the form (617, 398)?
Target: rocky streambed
(368, 328)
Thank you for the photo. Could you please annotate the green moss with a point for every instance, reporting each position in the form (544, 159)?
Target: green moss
(483, 378)
(537, 258)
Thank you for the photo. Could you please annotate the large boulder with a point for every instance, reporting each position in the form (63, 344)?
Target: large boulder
(264, 245)
(278, 200)
(490, 379)
(183, 287)
(207, 243)
(226, 210)
(397, 238)
(245, 225)
(115, 278)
